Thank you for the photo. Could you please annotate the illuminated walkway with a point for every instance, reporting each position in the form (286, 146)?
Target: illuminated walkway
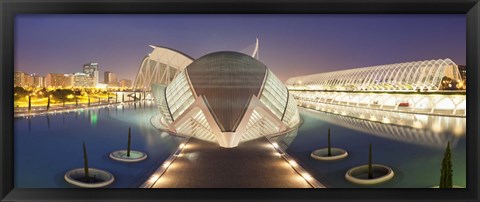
(253, 164)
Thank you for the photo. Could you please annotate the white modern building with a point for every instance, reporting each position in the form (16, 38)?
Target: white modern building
(425, 75)
(428, 87)
(224, 97)
(162, 65)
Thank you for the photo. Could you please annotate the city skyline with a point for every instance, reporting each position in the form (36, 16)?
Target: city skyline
(240, 101)
(120, 42)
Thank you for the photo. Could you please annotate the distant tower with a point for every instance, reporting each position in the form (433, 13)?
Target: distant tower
(92, 70)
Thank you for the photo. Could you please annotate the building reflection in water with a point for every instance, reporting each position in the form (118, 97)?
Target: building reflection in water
(425, 130)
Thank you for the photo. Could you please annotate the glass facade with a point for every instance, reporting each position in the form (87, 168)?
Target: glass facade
(291, 116)
(179, 95)
(274, 95)
(232, 82)
(158, 91)
(197, 126)
(258, 126)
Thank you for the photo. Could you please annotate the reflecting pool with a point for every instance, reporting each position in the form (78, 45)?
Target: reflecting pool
(47, 146)
(414, 151)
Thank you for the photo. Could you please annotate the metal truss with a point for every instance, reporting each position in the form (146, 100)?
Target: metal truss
(410, 76)
(161, 66)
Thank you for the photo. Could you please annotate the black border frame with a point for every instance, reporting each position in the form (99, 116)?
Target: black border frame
(8, 9)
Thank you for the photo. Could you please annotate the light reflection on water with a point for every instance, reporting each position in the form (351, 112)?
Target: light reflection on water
(46, 146)
(411, 144)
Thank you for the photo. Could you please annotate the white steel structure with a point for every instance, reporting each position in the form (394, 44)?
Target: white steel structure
(409, 76)
(162, 65)
(226, 97)
(450, 104)
(413, 87)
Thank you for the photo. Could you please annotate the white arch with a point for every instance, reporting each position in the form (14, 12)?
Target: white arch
(167, 64)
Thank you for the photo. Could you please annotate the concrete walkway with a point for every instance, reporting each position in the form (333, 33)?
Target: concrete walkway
(253, 164)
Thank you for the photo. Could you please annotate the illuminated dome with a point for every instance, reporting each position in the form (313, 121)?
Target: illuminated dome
(226, 97)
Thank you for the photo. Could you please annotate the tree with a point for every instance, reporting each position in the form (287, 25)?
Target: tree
(20, 92)
(62, 95)
(446, 171)
(29, 103)
(48, 103)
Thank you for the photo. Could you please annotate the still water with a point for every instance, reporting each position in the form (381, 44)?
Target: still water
(46, 147)
(412, 145)
(414, 150)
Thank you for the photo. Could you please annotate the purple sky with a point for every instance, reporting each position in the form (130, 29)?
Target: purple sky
(290, 45)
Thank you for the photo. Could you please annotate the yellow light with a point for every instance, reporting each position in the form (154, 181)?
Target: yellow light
(293, 163)
(275, 145)
(153, 178)
(166, 164)
(307, 176)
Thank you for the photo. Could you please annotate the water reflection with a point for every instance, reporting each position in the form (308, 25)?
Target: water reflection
(100, 128)
(93, 117)
(48, 121)
(431, 131)
(29, 124)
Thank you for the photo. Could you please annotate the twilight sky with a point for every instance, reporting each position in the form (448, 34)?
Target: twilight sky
(290, 45)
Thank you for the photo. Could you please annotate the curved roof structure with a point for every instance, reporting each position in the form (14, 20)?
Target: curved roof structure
(227, 80)
(161, 66)
(409, 76)
(227, 97)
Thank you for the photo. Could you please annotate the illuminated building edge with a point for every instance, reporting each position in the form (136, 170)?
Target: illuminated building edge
(395, 87)
(184, 112)
(410, 76)
(162, 65)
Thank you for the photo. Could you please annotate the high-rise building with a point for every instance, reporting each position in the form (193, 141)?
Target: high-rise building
(39, 81)
(125, 83)
(110, 78)
(92, 70)
(59, 80)
(19, 79)
(29, 80)
(82, 80)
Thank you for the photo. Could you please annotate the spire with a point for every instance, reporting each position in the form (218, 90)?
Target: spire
(255, 52)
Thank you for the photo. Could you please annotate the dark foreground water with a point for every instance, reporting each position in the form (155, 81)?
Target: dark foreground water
(414, 153)
(46, 147)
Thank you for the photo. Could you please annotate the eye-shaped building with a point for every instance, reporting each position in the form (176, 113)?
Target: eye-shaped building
(226, 97)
